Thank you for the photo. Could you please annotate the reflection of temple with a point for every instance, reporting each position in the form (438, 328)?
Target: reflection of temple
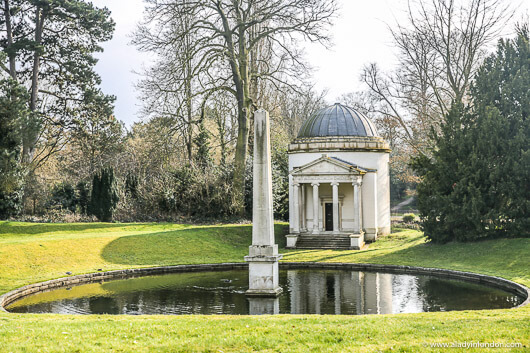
(340, 292)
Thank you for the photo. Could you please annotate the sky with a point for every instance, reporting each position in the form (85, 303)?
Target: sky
(360, 36)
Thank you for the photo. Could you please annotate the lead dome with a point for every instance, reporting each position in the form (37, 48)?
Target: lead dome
(337, 120)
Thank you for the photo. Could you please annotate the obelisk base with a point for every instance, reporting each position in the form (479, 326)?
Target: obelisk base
(263, 271)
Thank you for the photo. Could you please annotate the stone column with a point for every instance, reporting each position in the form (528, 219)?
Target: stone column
(315, 208)
(335, 186)
(263, 253)
(296, 211)
(357, 215)
(357, 238)
(303, 224)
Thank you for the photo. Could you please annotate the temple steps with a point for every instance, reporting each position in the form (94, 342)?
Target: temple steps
(323, 242)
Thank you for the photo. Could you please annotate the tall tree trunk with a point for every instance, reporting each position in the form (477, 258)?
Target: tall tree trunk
(30, 136)
(189, 95)
(189, 139)
(244, 113)
(221, 126)
(9, 32)
(239, 67)
(238, 192)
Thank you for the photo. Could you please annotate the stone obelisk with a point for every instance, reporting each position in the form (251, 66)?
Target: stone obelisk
(263, 253)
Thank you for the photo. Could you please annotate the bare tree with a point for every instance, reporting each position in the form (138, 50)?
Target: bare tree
(295, 107)
(223, 112)
(440, 49)
(228, 36)
(170, 86)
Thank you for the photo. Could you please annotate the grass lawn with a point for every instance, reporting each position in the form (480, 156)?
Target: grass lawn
(36, 252)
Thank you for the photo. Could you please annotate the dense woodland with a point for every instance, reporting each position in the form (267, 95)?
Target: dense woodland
(454, 110)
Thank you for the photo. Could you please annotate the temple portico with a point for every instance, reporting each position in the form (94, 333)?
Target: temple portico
(324, 210)
(334, 199)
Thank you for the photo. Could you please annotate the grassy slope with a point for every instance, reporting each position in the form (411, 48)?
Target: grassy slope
(36, 252)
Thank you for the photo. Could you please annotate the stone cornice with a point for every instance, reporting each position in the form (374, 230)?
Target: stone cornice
(337, 144)
(322, 178)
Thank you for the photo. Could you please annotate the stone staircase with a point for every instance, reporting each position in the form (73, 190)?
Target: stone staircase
(323, 242)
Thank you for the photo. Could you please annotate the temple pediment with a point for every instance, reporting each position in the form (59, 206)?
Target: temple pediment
(330, 166)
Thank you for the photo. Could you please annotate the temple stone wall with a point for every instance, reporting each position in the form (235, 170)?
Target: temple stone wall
(376, 159)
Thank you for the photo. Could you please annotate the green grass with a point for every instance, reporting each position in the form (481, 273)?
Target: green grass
(35, 252)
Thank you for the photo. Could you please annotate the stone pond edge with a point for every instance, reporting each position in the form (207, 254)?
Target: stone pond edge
(30, 289)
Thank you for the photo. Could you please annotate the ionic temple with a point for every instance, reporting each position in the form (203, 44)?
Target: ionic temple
(339, 185)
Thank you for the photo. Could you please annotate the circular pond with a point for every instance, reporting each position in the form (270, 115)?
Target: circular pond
(304, 292)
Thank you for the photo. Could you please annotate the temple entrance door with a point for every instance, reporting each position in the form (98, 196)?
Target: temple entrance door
(329, 216)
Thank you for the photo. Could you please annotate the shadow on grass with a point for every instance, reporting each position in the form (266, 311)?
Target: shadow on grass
(211, 244)
(382, 248)
(32, 229)
(349, 255)
(502, 256)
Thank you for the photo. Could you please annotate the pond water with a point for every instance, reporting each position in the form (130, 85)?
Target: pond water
(304, 292)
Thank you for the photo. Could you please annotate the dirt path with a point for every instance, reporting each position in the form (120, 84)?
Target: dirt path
(400, 205)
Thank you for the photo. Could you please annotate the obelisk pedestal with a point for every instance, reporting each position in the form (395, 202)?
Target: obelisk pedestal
(263, 253)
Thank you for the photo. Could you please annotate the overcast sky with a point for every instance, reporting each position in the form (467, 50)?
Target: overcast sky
(360, 36)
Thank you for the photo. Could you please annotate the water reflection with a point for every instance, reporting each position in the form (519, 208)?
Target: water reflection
(305, 292)
(341, 292)
(263, 306)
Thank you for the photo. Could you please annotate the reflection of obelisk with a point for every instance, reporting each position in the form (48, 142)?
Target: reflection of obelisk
(263, 253)
(263, 306)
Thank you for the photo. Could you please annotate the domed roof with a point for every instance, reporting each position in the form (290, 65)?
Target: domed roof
(337, 120)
